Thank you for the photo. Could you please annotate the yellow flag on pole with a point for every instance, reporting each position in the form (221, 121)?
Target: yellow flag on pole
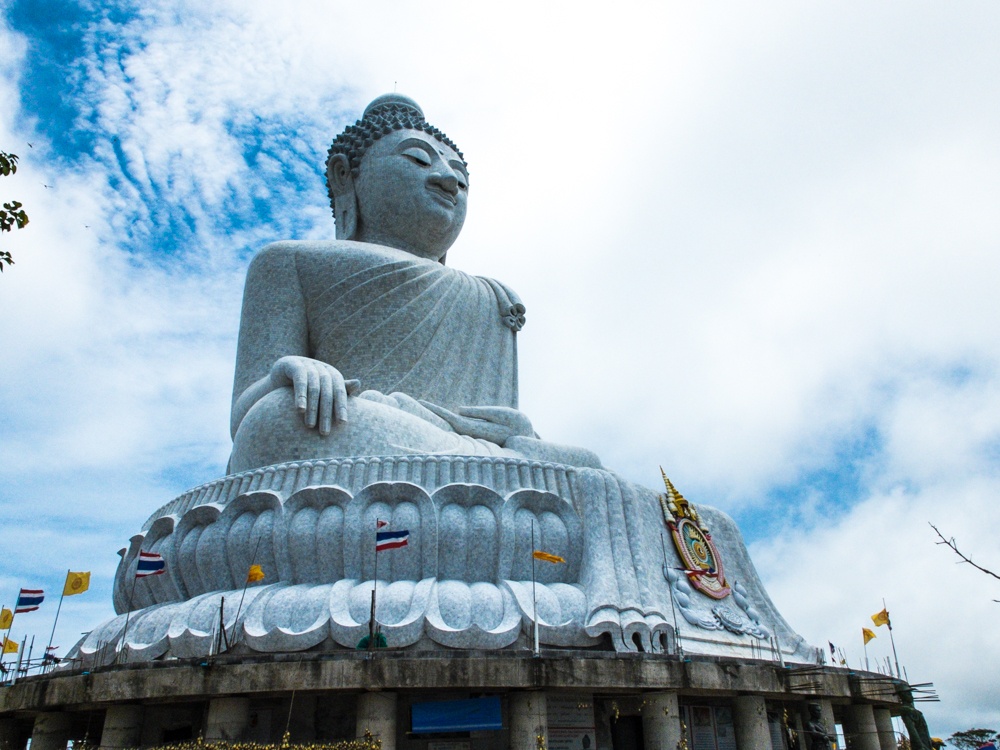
(10, 647)
(881, 618)
(6, 618)
(868, 634)
(547, 557)
(76, 583)
(256, 574)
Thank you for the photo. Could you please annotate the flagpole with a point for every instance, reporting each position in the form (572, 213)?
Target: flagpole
(253, 561)
(58, 610)
(128, 610)
(371, 618)
(888, 621)
(534, 599)
(222, 636)
(670, 591)
(20, 656)
(867, 667)
(3, 653)
(31, 649)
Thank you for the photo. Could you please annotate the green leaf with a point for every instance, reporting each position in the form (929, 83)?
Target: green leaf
(8, 163)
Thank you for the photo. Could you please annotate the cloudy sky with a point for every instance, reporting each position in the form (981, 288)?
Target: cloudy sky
(759, 245)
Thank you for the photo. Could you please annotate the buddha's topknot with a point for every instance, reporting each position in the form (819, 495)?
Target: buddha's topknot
(385, 114)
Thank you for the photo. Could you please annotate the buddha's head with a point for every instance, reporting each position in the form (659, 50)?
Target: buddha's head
(396, 180)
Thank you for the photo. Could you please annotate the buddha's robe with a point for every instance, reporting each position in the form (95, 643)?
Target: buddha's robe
(397, 323)
(400, 323)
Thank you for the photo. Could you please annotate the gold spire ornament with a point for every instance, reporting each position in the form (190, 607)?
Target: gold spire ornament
(693, 541)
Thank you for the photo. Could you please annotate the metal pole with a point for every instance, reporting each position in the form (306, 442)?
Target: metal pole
(246, 583)
(223, 638)
(128, 610)
(45, 667)
(6, 637)
(31, 649)
(888, 621)
(20, 655)
(534, 600)
(670, 592)
(371, 617)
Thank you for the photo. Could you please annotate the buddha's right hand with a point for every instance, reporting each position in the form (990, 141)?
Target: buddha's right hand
(320, 391)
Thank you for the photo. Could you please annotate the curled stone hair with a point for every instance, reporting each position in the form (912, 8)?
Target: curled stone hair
(385, 114)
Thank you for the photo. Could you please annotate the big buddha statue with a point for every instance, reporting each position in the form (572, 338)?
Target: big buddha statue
(376, 388)
(370, 345)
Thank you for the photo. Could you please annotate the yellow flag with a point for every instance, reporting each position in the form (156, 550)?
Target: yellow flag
(881, 618)
(539, 555)
(76, 583)
(6, 618)
(10, 647)
(256, 574)
(868, 634)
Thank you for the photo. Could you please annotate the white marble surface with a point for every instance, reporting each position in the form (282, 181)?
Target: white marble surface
(464, 581)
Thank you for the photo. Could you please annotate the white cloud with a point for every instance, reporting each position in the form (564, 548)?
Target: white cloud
(755, 244)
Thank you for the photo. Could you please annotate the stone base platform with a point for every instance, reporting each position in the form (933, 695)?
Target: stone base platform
(466, 580)
(569, 698)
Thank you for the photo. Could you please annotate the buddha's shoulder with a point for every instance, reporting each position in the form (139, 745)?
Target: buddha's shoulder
(333, 253)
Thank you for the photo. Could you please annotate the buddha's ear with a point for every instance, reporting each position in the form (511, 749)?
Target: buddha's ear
(345, 202)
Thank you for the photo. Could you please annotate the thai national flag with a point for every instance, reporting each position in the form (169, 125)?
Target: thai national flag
(28, 600)
(391, 539)
(150, 564)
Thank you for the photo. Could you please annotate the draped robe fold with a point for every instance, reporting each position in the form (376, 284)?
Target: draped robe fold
(400, 323)
(396, 323)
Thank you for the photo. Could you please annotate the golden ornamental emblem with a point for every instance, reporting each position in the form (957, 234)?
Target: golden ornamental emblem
(693, 541)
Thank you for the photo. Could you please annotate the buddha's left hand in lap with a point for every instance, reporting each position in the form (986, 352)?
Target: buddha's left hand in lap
(496, 424)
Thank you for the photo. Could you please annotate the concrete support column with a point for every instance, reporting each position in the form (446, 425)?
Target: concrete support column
(828, 718)
(859, 727)
(122, 727)
(886, 734)
(602, 717)
(529, 718)
(661, 721)
(750, 720)
(228, 718)
(377, 714)
(51, 731)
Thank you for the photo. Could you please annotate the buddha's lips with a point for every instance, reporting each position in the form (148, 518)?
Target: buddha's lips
(452, 199)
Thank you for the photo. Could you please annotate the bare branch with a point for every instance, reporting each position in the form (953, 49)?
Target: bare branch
(954, 547)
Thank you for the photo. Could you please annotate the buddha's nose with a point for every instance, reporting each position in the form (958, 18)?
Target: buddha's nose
(447, 181)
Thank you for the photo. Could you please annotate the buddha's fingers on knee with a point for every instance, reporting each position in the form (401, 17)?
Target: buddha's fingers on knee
(292, 371)
(336, 408)
(352, 386)
(300, 388)
(327, 398)
(312, 396)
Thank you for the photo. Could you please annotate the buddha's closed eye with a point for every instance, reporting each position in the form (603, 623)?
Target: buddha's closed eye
(417, 156)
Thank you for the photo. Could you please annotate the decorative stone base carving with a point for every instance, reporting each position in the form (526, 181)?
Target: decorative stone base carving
(464, 580)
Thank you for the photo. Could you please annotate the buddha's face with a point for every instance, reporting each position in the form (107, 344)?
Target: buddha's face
(412, 192)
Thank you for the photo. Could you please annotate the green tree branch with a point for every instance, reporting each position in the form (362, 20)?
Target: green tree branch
(12, 214)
